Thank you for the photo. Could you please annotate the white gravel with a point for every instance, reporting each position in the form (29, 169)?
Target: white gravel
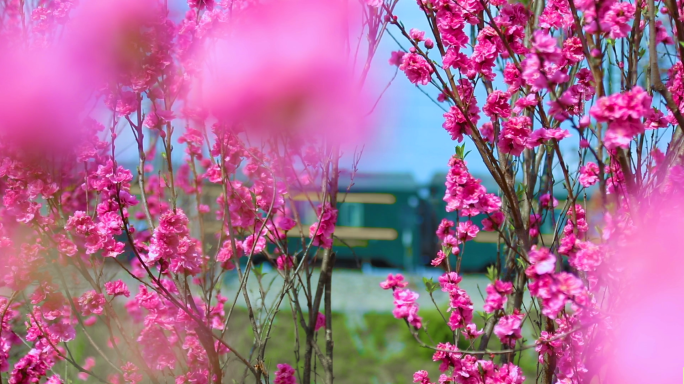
(360, 292)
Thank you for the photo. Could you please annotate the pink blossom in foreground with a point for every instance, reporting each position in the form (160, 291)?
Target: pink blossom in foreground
(91, 302)
(467, 231)
(508, 329)
(465, 193)
(497, 105)
(321, 231)
(416, 68)
(515, 135)
(588, 174)
(497, 295)
(623, 113)
(394, 281)
(405, 307)
(445, 228)
(654, 284)
(421, 377)
(493, 222)
(285, 375)
(117, 288)
(310, 92)
(619, 19)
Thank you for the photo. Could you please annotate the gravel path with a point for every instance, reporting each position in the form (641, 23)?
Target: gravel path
(359, 292)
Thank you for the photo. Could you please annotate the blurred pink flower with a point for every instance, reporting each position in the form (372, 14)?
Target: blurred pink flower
(646, 322)
(284, 72)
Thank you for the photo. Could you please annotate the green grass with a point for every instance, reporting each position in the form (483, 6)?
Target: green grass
(371, 348)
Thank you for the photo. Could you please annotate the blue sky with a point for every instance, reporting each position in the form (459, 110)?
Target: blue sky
(410, 137)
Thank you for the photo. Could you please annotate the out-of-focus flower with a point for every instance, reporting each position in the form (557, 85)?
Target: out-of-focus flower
(650, 260)
(284, 73)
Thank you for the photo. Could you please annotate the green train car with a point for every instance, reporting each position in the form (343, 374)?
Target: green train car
(378, 222)
(389, 220)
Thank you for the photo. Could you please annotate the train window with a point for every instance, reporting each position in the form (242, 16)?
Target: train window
(351, 214)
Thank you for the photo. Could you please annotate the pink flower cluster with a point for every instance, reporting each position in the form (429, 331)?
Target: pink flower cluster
(466, 369)
(405, 306)
(624, 113)
(416, 68)
(465, 194)
(553, 289)
(285, 374)
(460, 306)
(172, 246)
(497, 295)
(508, 328)
(321, 231)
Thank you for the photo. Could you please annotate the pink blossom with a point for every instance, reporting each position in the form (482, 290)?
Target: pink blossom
(493, 222)
(512, 77)
(405, 307)
(455, 59)
(91, 302)
(543, 261)
(450, 25)
(321, 232)
(525, 102)
(251, 246)
(623, 112)
(497, 105)
(487, 132)
(117, 288)
(545, 47)
(416, 68)
(548, 201)
(31, 367)
(284, 262)
(508, 328)
(87, 365)
(285, 375)
(439, 259)
(320, 322)
(588, 174)
(417, 34)
(586, 256)
(447, 359)
(484, 55)
(396, 58)
(201, 4)
(467, 231)
(131, 374)
(515, 135)
(573, 51)
(497, 295)
(311, 94)
(421, 377)
(393, 282)
(465, 193)
(661, 34)
(445, 229)
(456, 124)
(619, 18)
